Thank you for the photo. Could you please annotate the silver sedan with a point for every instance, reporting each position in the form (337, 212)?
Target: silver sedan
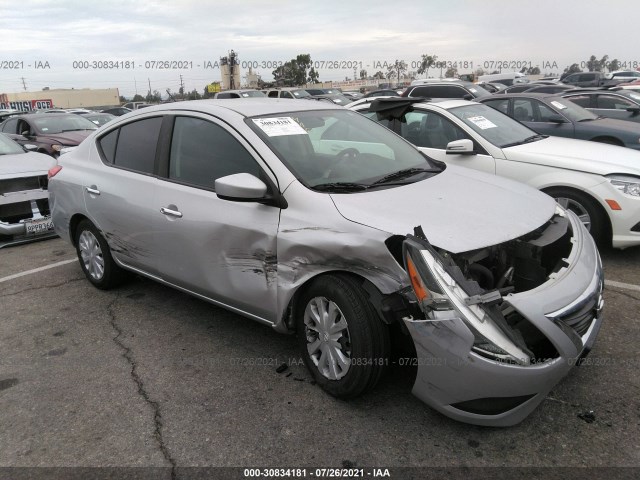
(313, 219)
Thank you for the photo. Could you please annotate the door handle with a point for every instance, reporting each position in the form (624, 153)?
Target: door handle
(171, 213)
(93, 190)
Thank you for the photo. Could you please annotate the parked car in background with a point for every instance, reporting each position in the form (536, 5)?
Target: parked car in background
(599, 183)
(584, 79)
(620, 76)
(492, 87)
(381, 93)
(452, 89)
(99, 118)
(287, 92)
(507, 78)
(136, 105)
(338, 99)
(49, 132)
(117, 111)
(557, 116)
(535, 88)
(618, 103)
(353, 95)
(24, 195)
(302, 216)
(245, 93)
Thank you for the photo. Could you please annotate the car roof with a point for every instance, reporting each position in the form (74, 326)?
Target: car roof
(249, 107)
(522, 95)
(445, 104)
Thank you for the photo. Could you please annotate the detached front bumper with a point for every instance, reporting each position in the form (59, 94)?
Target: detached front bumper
(566, 309)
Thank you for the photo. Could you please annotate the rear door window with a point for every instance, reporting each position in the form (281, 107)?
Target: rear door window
(136, 145)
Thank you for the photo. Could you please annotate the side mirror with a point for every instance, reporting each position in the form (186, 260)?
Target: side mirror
(29, 147)
(460, 147)
(26, 134)
(556, 119)
(241, 187)
(634, 111)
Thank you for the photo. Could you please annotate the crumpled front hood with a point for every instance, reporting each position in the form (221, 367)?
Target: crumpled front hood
(25, 164)
(580, 155)
(459, 209)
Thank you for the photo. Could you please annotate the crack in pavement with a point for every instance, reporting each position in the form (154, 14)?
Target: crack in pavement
(157, 415)
(32, 289)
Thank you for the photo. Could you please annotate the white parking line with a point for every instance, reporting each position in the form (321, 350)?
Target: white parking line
(626, 286)
(36, 270)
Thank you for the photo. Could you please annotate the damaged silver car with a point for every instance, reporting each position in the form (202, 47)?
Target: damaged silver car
(313, 219)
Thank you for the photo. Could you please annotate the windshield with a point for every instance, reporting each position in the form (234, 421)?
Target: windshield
(61, 123)
(8, 146)
(494, 126)
(341, 149)
(300, 93)
(252, 93)
(573, 112)
(478, 91)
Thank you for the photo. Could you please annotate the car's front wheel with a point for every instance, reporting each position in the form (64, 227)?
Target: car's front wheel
(587, 210)
(344, 343)
(95, 257)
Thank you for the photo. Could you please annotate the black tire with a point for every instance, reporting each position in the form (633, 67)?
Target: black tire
(365, 343)
(581, 204)
(93, 251)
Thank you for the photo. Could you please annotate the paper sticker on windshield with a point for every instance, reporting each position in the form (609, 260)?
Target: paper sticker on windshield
(482, 123)
(559, 105)
(275, 127)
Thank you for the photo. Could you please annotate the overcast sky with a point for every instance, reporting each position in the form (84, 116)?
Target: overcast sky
(549, 33)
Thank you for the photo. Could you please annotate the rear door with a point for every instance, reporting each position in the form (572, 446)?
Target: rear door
(120, 198)
(223, 250)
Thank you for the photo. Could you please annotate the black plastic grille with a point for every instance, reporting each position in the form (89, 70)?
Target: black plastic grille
(25, 183)
(580, 319)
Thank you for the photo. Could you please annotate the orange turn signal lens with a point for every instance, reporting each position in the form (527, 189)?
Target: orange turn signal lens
(421, 292)
(613, 205)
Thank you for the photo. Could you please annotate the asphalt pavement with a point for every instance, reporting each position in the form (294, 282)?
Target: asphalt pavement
(146, 376)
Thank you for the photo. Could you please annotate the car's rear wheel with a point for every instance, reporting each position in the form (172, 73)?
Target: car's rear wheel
(95, 257)
(344, 343)
(587, 210)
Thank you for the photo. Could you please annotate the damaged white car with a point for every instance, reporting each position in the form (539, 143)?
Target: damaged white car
(313, 219)
(24, 197)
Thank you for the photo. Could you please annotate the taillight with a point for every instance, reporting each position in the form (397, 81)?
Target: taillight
(53, 171)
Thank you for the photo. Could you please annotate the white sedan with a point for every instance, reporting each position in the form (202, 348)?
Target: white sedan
(600, 183)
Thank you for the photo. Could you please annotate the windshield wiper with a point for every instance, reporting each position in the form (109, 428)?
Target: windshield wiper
(77, 129)
(532, 138)
(407, 172)
(344, 186)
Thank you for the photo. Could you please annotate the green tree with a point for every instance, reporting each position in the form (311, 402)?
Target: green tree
(137, 98)
(614, 65)
(154, 97)
(593, 65)
(379, 75)
(398, 68)
(574, 68)
(426, 63)
(451, 72)
(194, 95)
(533, 71)
(123, 99)
(314, 76)
(363, 74)
(603, 63)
